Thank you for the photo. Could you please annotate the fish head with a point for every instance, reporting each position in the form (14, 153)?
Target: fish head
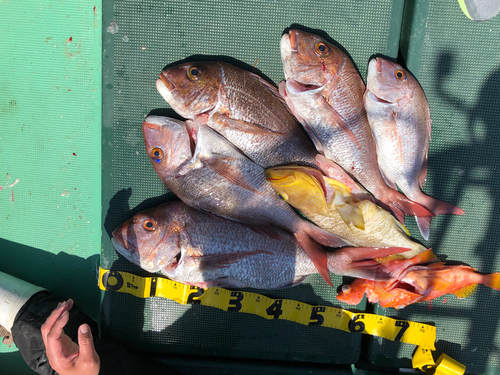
(150, 239)
(301, 187)
(192, 88)
(353, 293)
(167, 142)
(309, 59)
(389, 82)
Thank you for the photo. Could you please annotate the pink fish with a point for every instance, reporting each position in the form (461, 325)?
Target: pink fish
(400, 120)
(197, 248)
(325, 92)
(207, 172)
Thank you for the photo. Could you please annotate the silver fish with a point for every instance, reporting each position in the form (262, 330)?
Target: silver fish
(400, 120)
(325, 92)
(248, 111)
(214, 176)
(196, 248)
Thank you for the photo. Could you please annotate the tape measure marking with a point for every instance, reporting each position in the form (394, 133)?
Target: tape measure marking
(419, 334)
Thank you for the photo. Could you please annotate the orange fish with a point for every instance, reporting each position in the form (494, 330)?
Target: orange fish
(418, 284)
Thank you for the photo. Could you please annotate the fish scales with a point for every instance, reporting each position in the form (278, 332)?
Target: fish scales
(325, 92)
(217, 178)
(399, 118)
(197, 248)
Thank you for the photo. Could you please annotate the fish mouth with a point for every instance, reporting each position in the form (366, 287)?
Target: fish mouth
(125, 249)
(376, 98)
(295, 87)
(166, 81)
(163, 90)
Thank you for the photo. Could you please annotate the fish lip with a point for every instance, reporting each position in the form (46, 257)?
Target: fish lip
(119, 245)
(166, 81)
(295, 87)
(378, 65)
(164, 91)
(376, 98)
(151, 126)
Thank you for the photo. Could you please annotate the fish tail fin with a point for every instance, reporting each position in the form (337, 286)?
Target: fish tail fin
(399, 203)
(361, 262)
(492, 280)
(424, 257)
(309, 237)
(438, 207)
(316, 253)
(424, 225)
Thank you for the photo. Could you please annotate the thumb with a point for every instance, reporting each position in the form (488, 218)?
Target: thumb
(86, 344)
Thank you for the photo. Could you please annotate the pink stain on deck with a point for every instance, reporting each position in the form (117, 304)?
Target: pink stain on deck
(70, 39)
(445, 300)
(429, 307)
(94, 10)
(10, 186)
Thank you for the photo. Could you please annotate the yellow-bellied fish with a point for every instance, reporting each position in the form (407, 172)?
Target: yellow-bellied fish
(329, 204)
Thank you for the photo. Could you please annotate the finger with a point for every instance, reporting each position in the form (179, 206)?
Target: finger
(49, 322)
(53, 343)
(87, 355)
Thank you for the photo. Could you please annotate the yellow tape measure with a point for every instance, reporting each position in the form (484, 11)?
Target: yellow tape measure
(422, 335)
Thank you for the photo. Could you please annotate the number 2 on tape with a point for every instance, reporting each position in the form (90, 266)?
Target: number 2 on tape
(199, 292)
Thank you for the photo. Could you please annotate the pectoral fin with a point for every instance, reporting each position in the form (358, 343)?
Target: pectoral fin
(351, 215)
(338, 122)
(221, 165)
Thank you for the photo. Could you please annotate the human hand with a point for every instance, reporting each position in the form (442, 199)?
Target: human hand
(65, 356)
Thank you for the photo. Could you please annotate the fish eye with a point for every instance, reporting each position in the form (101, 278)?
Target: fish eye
(157, 153)
(283, 196)
(321, 48)
(346, 289)
(400, 75)
(194, 73)
(150, 224)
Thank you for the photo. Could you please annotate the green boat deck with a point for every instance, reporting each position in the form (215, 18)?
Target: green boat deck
(77, 81)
